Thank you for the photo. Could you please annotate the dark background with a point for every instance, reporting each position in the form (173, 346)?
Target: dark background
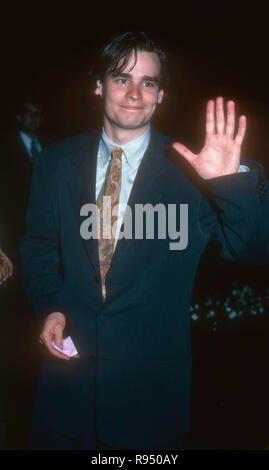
(46, 51)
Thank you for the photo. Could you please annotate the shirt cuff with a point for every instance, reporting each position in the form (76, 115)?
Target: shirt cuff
(243, 169)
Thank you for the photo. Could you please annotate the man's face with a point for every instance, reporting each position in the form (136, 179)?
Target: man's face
(30, 119)
(130, 98)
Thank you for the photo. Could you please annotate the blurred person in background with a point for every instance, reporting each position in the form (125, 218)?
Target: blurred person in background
(19, 151)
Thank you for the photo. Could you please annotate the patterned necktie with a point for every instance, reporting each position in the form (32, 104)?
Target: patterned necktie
(34, 150)
(111, 189)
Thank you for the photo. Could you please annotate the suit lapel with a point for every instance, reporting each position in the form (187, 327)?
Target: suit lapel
(82, 187)
(146, 188)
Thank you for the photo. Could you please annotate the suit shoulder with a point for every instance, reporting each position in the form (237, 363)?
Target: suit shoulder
(162, 139)
(67, 145)
(62, 151)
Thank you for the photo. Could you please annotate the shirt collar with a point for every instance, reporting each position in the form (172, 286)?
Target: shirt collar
(28, 140)
(133, 151)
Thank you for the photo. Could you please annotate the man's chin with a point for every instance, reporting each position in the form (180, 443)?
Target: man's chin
(132, 124)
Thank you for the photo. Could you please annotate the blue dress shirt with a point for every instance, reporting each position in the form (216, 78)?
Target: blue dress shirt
(132, 155)
(28, 142)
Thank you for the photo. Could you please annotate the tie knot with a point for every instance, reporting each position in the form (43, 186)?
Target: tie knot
(116, 153)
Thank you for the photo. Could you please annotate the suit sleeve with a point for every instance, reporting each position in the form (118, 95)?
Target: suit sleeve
(41, 265)
(236, 215)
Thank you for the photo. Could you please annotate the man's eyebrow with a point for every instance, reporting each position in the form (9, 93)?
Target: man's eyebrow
(145, 77)
(151, 79)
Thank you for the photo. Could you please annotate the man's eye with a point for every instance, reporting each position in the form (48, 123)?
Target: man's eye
(149, 84)
(122, 81)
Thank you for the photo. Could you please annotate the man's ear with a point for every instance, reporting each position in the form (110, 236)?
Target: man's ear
(18, 117)
(160, 96)
(98, 90)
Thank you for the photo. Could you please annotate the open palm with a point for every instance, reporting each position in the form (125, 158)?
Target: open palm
(221, 152)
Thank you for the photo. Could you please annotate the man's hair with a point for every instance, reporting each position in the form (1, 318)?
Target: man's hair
(26, 100)
(114, 56)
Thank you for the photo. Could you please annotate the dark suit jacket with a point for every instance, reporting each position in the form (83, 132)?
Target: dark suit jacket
(135, 347)
(16, 174)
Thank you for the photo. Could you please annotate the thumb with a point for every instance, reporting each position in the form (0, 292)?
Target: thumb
(58, 336)
(184, 152)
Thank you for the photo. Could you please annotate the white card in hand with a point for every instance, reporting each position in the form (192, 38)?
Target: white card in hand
(68, 347)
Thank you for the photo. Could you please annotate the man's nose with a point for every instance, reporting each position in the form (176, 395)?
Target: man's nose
(134, 91)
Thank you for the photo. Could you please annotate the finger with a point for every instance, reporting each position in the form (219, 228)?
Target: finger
(5, 273)
(182, 150)
(47, 341)
(219, 115)
(58, 332)
(59, 355)
(46, 338)
(5, 270)
(9, 271)
(210, 118)
(10, 268)
(230, 119)
(241, 130)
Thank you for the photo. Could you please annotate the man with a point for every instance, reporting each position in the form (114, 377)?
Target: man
(125, 300)
(30, 120)
(19, 151)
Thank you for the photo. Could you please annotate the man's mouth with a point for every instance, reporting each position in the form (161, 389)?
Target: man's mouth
(132, 108)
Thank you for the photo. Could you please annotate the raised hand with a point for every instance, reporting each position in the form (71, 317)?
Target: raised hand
(221, 152)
